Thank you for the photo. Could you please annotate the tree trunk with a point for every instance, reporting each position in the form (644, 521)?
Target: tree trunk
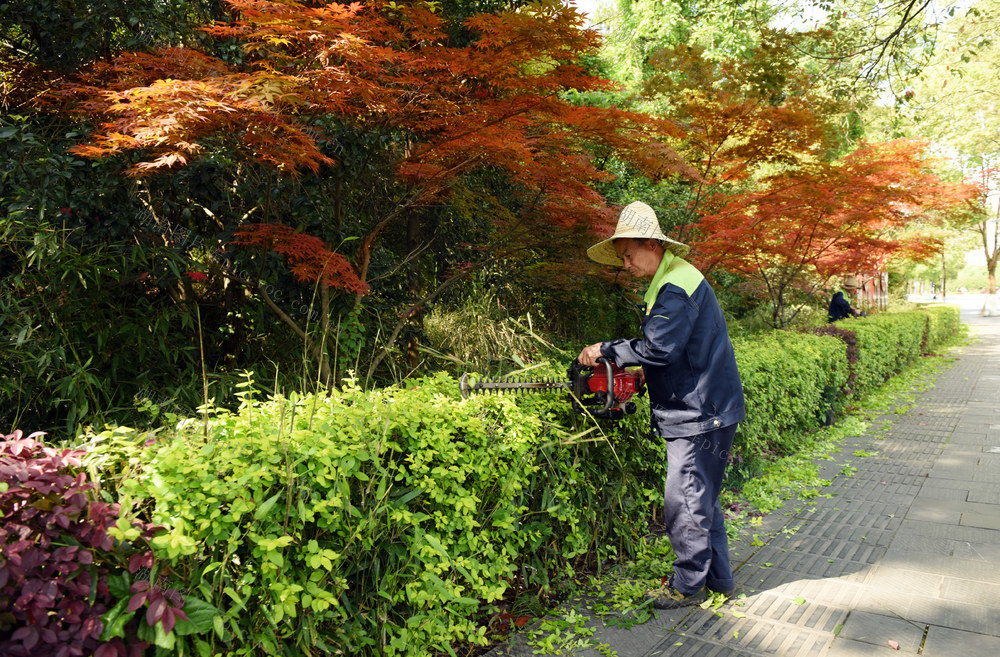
(944, 278)
(416, 317)
(993, 254)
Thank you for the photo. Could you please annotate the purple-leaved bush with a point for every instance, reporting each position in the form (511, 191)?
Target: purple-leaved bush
(60, 570)
(851, 340)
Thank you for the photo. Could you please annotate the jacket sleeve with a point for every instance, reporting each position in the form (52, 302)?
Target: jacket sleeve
(665, 332)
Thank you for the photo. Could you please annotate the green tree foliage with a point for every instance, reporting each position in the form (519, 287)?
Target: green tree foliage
(636, 29)
(61, 35)
(870, 47)
(383, 522)
(953, 101)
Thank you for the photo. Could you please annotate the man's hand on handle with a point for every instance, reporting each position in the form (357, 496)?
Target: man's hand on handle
(589, 355)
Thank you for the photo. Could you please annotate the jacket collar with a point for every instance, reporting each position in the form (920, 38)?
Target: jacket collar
(658, 279)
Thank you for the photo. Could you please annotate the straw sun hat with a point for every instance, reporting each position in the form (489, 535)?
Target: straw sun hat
(851, 283)
(638, 221)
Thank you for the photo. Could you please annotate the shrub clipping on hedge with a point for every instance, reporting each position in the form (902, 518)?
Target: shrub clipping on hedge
(387, 521)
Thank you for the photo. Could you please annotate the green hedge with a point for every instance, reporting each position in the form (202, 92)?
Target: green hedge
(385, 521)
(388, 521)
(794, 382)
(943, 323)
(809, 370)
(888, 343)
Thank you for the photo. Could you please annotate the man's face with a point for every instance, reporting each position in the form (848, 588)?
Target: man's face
(642, 257)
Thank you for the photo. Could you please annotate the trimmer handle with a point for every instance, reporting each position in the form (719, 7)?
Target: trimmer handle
(609, 395)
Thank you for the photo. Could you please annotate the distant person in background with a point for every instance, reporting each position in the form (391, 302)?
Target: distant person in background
(840, 308)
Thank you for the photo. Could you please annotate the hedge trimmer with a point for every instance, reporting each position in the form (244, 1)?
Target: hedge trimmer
(604, 395)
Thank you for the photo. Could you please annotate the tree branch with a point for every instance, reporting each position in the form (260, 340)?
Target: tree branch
(405, 315)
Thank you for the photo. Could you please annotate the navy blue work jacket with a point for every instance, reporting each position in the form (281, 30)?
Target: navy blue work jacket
(685, 352)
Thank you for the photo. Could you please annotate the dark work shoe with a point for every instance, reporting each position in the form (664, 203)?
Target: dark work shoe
(726, 592)
(667, 597)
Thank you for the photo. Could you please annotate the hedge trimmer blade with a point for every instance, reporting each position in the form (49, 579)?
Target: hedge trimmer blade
(602, 392)
(509, 384)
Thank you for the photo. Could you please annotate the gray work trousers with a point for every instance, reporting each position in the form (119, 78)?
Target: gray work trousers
(695, 521)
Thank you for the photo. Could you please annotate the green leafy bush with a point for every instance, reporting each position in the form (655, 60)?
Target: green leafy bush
(943, 324)
(793, 380)
(787, 381)
(889, 342)
(385, 521)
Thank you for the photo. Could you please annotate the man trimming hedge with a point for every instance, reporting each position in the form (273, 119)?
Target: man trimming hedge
(695, 395)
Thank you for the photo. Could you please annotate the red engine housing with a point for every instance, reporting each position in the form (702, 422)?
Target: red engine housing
(591, 386)
(624, 384)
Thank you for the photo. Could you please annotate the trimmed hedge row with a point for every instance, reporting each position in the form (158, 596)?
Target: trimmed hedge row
(384, 521)
(943, 323)
(817, 374)
(809, 370)
(389, 521)
(890, 342)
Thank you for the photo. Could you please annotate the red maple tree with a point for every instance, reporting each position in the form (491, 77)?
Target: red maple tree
(384, 67)
(802, 227)
(492, 103)
(309, 258)
(739, 115)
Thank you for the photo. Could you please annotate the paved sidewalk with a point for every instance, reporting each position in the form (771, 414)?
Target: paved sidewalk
(902, 558)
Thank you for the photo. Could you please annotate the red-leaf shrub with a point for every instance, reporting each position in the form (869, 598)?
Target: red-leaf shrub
(60, 570)
(851, 340)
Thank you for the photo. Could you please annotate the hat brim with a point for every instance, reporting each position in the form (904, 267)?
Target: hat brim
(604, 252)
